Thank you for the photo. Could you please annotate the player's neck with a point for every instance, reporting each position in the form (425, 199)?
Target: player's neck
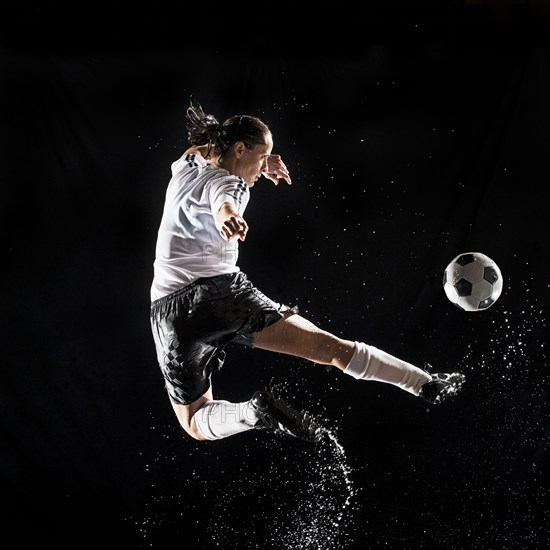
(226, 164)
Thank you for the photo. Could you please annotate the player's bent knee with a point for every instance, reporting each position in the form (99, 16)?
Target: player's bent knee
(186, 418)
(190, 428)
(193, 432)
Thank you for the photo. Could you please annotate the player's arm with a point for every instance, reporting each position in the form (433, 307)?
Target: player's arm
(230, 223)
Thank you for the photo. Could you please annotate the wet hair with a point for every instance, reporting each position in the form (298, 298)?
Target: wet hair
(205, 129)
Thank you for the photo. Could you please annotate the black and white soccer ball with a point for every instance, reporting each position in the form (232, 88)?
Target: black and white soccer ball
(472, 281)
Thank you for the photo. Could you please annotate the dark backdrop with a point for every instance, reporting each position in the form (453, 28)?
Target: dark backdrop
(412, 134)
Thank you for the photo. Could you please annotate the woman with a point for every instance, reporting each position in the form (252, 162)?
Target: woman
(201, 300)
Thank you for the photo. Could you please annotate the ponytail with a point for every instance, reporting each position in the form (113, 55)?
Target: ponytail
(201, 128)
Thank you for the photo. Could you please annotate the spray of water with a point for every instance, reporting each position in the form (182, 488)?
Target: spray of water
(300, 501)
(318, 518)
(260, 490)
(501, 462)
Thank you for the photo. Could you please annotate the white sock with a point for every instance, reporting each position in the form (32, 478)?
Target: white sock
(370, 363)
(219, 419)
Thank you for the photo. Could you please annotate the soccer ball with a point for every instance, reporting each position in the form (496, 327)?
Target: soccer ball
(472, 281)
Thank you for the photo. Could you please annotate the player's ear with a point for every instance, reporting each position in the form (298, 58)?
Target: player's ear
(239, 147)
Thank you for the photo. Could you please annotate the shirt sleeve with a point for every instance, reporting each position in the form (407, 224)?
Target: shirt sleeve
(228, 189)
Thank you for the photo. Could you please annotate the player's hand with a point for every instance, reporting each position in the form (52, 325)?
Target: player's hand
(230, 223)
(275, 170)
(233, 228)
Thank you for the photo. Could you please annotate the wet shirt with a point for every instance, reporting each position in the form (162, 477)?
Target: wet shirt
(189, 245)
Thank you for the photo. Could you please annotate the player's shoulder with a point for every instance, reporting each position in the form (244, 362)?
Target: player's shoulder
(190, 159)
(194, 156)
(201, 150)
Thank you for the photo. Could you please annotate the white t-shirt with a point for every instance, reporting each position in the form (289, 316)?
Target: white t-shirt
(189, 245)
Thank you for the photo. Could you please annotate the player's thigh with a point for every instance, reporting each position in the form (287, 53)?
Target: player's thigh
(295, 335)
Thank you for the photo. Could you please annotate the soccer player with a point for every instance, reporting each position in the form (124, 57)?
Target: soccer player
(201, 300)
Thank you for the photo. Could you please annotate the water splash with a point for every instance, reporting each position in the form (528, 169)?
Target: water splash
(260, 490)
(318, 519)
(501, 463)
(298, 506)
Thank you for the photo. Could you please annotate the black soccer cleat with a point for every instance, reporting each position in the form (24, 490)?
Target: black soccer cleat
(442, 386)
(275, 414)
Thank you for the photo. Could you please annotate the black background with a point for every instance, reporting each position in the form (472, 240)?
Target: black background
(413, 133)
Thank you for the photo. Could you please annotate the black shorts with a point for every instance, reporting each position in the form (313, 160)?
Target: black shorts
(192, 326)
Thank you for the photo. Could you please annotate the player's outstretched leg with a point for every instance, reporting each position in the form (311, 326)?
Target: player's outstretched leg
(297, 336)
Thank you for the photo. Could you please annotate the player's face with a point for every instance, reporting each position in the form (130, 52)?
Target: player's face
(254, 161)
